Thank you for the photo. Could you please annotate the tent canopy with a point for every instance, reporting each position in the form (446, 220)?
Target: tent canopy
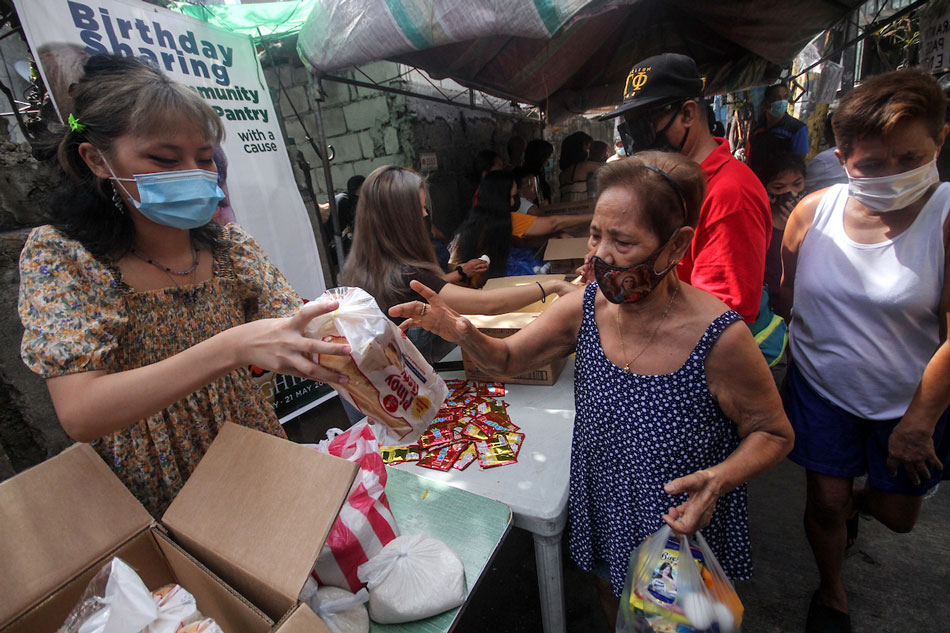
(565, 56)
(270, 20)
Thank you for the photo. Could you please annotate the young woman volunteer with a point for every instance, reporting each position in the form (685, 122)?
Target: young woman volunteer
(141, 314)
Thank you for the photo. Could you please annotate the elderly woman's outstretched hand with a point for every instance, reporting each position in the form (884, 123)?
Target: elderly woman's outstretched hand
(434, 316)
(695, 514)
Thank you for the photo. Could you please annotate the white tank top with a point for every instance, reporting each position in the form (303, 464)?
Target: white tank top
(865, 316)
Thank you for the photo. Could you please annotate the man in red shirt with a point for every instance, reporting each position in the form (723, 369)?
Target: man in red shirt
(663, 109)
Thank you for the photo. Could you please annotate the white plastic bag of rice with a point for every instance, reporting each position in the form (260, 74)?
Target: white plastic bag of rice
(413, 577)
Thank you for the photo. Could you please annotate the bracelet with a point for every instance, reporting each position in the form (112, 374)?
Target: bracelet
(461, 273)
(544, 295)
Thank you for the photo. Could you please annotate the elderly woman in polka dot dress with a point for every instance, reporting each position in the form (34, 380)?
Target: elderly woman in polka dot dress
(676, 407)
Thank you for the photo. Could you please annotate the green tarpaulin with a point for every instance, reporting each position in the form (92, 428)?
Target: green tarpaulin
(268, 20)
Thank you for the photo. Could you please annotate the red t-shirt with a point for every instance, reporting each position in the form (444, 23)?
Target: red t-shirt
(727, 256)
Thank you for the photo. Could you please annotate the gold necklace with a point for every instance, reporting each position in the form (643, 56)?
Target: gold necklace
(626, 366)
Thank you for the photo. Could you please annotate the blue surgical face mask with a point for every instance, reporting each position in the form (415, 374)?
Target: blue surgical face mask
(549, 164)
(778, 108)
(185, 199)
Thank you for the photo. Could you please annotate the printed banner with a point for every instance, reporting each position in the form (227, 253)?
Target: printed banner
(223, 68)
(935, 36)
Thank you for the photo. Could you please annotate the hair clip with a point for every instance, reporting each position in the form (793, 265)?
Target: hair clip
(75, 125)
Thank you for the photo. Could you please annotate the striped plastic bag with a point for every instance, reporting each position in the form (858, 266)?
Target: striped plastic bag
(365, 523)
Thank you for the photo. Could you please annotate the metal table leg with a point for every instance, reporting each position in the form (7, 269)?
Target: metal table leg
(547, 552)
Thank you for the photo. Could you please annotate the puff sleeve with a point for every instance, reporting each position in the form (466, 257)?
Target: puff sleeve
(267, 288)
(69, 306)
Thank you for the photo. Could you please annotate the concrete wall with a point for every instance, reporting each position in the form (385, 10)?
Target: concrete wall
(368, 128)
(29, 429)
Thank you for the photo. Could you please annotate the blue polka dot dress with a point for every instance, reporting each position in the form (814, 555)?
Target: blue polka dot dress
(633, 434)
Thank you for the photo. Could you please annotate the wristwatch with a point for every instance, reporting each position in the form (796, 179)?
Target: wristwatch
(461, 272)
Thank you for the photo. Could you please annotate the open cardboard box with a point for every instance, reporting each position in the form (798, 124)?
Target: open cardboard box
(504, 325)
(241, 536)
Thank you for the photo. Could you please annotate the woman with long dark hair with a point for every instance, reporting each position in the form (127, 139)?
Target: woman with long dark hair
(141, 313)
(576, 167)
(495, 221)
(391, 247)
(487, 228)
(539, 160)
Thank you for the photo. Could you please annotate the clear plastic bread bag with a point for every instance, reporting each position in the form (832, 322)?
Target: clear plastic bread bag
(676, 585)
(389, 380)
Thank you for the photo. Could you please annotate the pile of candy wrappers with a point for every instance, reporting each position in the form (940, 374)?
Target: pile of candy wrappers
(472, 426)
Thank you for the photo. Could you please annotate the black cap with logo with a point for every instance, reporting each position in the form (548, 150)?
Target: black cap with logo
(660, 80)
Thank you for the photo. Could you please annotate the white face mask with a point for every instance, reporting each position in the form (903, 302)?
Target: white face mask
(890, 193)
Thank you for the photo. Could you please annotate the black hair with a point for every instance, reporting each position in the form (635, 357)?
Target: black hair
(771, 90)
(828, 131)
(484, 160)
(766, 170)
(117, 96)
(598, 152)
(520, 173)
(354, 183)
(536, 154)
(487, 229)
(572, 149)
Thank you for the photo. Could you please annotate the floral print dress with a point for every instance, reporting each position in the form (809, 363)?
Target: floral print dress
(78, 315)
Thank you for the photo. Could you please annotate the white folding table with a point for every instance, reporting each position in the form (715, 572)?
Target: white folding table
(536, 487)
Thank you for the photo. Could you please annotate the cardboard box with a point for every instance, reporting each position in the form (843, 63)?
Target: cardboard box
(504, 325)
(566, 254)
(572, 248)
(241, 536)
(571, 207)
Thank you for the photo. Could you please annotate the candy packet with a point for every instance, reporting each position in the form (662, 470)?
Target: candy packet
(442, 457)
(399, 454)
(440, 433)
(466, 458)
(491, 389)
(497, 451)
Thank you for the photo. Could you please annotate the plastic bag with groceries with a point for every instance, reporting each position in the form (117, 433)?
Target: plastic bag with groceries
(389, 380)
(117, 601)
(676, 585)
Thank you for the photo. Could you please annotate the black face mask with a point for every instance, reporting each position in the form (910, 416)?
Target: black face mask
(780, 200)
(640, 135)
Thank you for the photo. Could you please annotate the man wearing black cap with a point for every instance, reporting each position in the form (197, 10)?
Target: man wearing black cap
(663, 109)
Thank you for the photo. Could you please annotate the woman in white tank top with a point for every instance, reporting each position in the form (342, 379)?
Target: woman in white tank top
(867, 286)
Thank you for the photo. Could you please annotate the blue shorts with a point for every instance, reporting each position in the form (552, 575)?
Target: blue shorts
(831, 441)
